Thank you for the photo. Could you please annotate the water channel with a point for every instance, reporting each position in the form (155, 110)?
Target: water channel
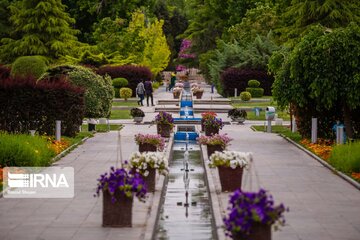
(186, 211)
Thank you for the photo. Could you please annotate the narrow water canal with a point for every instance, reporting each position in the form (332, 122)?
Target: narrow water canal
(186, 212)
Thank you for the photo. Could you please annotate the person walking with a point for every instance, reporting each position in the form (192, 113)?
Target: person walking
(149, 92)
(172, 81)
(140, 91)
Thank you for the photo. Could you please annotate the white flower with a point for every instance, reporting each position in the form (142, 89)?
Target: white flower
(146, 173)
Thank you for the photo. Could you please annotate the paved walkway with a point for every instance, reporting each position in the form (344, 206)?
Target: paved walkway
(322, 205)
(79, 218)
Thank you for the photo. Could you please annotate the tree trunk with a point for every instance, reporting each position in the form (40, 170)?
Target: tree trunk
(348, 123)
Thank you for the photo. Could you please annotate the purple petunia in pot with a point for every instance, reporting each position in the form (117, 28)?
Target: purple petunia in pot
(251, 215)
(123, 181)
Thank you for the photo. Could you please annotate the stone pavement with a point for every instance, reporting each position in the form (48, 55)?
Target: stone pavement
(79, 218)
(322, 205)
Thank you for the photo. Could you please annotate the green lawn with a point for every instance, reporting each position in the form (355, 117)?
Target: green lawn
(78, 137)
(251, 115)
(252, 104)
(125, 104)
(101, 127)
(283, 130)
(120, 114)
(263, 97)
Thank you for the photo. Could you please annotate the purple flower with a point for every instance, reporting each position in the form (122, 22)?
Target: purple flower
(121, 180)
(248, 208)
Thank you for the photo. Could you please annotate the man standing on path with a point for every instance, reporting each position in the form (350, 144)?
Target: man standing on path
(172, 81)
(140, 91)
(149, 92)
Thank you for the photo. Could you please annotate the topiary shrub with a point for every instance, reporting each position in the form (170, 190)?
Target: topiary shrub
(25, 66)
(238, 78)
(245, 96)
(27, 104)
(134, 74)
(253, 83)
(119, 83)
(125, 93)
(256, 92)
(4, 72)
(98, 90)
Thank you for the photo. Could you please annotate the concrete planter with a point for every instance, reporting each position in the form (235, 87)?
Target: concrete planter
(138, 119)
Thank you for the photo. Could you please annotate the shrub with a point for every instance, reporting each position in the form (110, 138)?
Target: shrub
(253, 83)
(120, 82)
(255, 92)
(134, 74)
(87, 58)
(125, 93)
(29, 66)
(24, 150)
(238, 78)
(245, 96)
(4, 72)
(98, 90)
(346, 158)
(26, 104)
(117, 84)
(156, 85)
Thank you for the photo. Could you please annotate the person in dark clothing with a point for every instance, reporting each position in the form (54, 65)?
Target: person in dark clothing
(172, 81)
(140, 90)
(149, 92)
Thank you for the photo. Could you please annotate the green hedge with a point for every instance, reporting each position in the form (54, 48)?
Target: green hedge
(24, 150)
(27, 66)
(346, 158)
(255, 92)
(245, 96)
(98, 90)
(27, 104)
(117, 84)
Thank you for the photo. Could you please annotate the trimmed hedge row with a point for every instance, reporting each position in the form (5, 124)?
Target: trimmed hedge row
(134, 74)
(26, 104)
(238, 78)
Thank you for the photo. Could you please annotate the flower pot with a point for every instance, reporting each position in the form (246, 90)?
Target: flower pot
(164, 130)
(230, 179)
(119, 213)
(202, 125)
(176, 95)
(212, 148)
(138, 119)
(211, 130)
(198, 95)
(258, 232)
(147, 147)
(150, 180)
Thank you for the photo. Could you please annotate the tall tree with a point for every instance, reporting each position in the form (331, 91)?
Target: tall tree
(41, 27)
(303, 14)
(323, 70)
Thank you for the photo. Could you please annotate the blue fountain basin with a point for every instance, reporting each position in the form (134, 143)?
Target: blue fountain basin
(182, 136)
(186, 104)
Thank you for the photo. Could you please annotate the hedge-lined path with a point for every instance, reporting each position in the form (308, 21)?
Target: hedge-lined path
(79, 218)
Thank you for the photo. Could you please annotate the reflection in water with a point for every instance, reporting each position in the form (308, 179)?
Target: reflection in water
(186, 210)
